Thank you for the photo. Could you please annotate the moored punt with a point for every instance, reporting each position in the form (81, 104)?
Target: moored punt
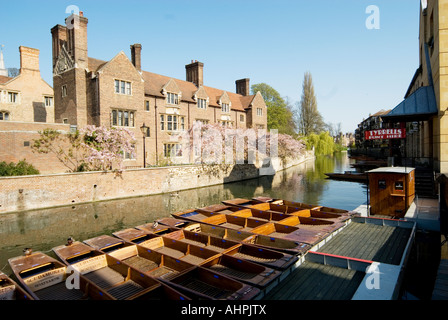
(348, 176)
(10, 290)
(115, 278)
(283, 245)
(320, 225)
(44, 278)
(298, 208)
(243, 212)
(134, 235)
(243, 270)
(203, 283)
(271, 258)
(202, 240)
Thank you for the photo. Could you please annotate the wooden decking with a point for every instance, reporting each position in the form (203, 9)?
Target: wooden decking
(315, 281)
(372, 242)
(441, 285)
(361, 242)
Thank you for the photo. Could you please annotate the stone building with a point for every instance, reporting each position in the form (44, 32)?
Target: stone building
(119, 93)
(26, 97)
(426, 100)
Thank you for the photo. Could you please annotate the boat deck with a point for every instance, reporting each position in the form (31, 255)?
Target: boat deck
(337, 268)
(315, 281)
(379, 243)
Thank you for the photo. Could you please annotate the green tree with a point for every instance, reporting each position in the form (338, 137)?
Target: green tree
(22, 168)
(310, 120)
(280, 111)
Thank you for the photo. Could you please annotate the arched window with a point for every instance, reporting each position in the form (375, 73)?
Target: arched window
(4, 115)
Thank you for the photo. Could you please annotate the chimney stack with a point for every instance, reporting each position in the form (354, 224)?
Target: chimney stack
(195, 73)
(136, 54)
(29, 59)
(242, 86)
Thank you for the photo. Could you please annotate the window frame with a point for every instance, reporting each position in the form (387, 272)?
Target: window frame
(5, 115)
(14, 94)
(122, 118)
(172, 98)
(225, 107)
(202, 104)
(123, 87)
(167, 150)
(172, 122)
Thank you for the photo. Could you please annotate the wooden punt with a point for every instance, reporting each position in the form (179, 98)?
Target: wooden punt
(242, 270)
(202, 283)
(44, 278)
(134, 235)
(116, 278)
(203, 240)
(283, 245)
(348, 176)
(320, 225)
(293, 208)
(244, 212)
(10, 290)
(269, 258)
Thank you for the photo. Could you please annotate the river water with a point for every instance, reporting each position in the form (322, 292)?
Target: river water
(46, 228)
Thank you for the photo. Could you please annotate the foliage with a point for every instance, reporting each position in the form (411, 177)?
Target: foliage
(67, 148)
(89, 149)
(22, 168)
(105, 147)
(280, 114)
(310, 120)
(323, 143)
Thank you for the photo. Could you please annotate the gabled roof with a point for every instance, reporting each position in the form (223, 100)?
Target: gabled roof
(154, 84)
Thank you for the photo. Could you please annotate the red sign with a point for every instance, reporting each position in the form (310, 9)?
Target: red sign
(385, 134)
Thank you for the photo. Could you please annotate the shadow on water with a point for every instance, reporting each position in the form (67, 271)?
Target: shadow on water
(46, 228)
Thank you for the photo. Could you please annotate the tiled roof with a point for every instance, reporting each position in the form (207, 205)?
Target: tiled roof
(155, 82)
(4, 79)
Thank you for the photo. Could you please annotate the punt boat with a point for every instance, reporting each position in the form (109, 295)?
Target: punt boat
(302, 219)
(283, 245)
(189, 253)
(296, 207)
(202, 283)
(10, 290)
(245, 271)
(348, 176)
(254, 226)
(266, 257)
(44, 278)
(108, 273)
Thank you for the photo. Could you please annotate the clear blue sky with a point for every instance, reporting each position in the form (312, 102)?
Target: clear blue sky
(356, 70)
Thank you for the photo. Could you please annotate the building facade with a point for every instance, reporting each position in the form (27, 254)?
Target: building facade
(426, 100)
(119, 93)
(26, 97)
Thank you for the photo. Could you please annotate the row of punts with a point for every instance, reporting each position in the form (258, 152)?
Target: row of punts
(230, 251)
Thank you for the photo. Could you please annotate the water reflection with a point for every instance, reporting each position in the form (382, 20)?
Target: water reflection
(47, 228)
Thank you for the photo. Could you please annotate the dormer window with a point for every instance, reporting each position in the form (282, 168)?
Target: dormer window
(13, 97)
(225, 107)
(172, 98)
(202, 104)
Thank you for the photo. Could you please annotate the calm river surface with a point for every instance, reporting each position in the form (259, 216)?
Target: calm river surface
(44, 229)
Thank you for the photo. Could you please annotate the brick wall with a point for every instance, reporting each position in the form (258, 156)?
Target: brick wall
(16, 139)
(41, 191)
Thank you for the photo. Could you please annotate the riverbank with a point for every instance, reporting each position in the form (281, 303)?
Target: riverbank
(45, 191)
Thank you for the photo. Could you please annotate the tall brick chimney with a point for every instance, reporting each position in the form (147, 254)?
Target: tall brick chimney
(242, 86)
(136, 55)
(76, 26)
(195, 73)
(29, 59)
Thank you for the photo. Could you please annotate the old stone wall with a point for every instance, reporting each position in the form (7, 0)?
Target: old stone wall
(43, 191)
